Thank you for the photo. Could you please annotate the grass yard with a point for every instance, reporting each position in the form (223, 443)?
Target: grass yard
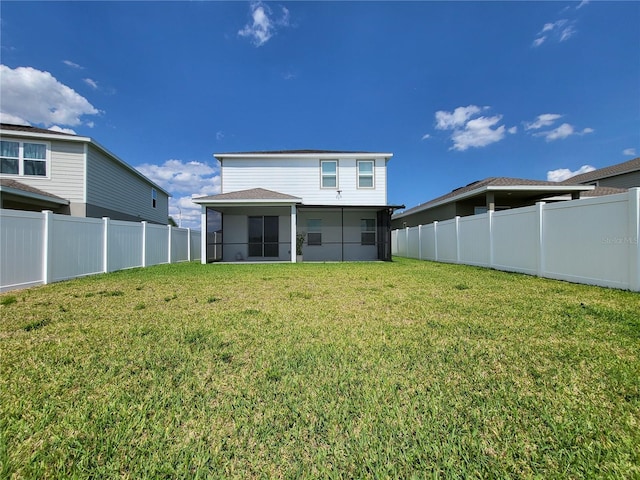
(379, 370)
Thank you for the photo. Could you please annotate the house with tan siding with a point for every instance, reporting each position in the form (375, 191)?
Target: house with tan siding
(74, 175)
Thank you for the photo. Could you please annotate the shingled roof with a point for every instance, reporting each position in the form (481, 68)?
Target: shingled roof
(610, 171)
(7, 183)
(497, 182)
(251, 194)
(30, 129)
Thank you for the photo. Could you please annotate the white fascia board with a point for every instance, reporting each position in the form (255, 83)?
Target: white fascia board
(86, 141)
(33, 195)
(41, 136)
(247, 202)
(321, 156)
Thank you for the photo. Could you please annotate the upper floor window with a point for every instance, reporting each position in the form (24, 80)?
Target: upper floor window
(154, 198)
(329, 174)
(365, 174)
(23, 158)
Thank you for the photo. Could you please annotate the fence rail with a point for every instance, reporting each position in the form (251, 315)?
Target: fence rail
(40, 248)
(592, 240)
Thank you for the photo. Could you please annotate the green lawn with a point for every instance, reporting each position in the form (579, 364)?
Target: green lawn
(380, 370)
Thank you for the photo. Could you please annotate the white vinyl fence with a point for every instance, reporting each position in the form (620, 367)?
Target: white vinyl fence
(39, 248)
(591, 240)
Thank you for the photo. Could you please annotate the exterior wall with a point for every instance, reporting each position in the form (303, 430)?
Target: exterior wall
(338, 243)
(235, 233)
(66, 171)
(113, 189)
(627, 180)
(301, 178)
(443, 212)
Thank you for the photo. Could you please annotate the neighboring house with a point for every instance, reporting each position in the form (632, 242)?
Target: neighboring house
(621, 175)
(337, 201)
(494, 193)
(73, 175)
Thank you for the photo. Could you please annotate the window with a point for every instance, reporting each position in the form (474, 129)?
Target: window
(263, 236)
(314, 231)
(23, 158)
(365, 174)
(329, 174)
(154, 198)
(368, 231)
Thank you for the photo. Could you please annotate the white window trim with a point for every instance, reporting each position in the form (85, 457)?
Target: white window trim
(21, 158)
(373, 174)
(322, 187)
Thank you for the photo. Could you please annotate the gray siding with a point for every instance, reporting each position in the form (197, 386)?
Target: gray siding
(626, 180)
(113, 188)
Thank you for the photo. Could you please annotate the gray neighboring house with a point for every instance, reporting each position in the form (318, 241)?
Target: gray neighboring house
(621, 175)
(69, 174)
(491, 194)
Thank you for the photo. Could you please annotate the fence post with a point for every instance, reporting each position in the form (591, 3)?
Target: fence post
(490, 220)
(419, 242)
(634, 239)
(203, 235)
(169, 242)
(435, 239)
(47, 254)
(188, 244)
(457, 239)
(105, 244)
(540, 233)
(144, 243)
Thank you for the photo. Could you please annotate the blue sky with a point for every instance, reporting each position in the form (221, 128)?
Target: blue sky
(457, 91)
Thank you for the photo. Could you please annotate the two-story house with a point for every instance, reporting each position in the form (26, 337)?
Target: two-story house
(74, 175)
(334, 202)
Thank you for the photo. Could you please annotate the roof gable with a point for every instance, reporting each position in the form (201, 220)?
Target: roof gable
(252, 194)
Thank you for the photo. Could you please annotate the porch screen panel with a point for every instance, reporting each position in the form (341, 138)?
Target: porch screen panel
(270, 236)
(255, 236)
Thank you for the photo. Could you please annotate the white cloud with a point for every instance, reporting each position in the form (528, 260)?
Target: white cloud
(219, 135)
(562, 174)
(37, 97)
(71, 64)
(426, 136)
(56, 128)
(263, 24)
(92, 83)
(184, 180)
(582, 4)
(629, 151)
(543, 120)
(457, 118)
(513, 130)
(468, 131)
(8, 118)
(560, 31)
(478, 133)
(563, 131)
